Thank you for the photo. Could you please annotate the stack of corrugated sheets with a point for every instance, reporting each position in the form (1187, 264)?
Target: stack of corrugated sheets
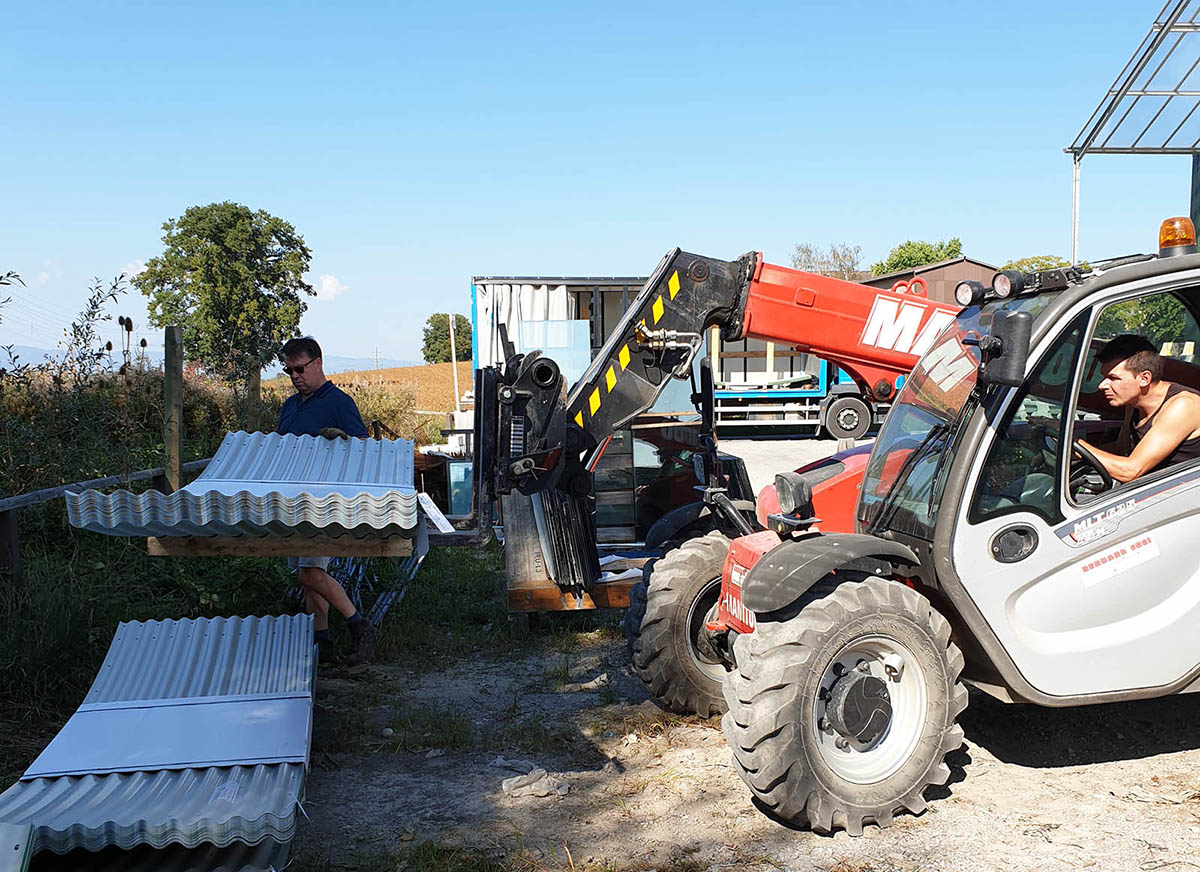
(189, 751)
(264, 484)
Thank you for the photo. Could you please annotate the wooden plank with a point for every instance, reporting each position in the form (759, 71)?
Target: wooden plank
(173, 405)
(615, 534)
(523, 556)
(535, 596)
(293, 546)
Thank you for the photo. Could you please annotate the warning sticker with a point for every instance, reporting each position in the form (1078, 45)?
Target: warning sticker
(1117, 559)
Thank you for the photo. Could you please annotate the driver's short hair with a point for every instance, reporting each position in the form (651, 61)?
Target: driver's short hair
(1137, 352)
(300, 345)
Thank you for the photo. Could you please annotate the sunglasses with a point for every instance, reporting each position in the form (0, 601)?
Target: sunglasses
(298, 370)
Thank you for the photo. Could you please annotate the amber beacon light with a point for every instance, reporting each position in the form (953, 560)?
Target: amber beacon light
(1176, 236)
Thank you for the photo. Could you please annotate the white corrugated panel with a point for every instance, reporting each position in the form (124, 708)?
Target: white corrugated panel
(265, 484)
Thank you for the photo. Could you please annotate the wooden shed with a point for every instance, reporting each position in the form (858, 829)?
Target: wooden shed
(940, 278)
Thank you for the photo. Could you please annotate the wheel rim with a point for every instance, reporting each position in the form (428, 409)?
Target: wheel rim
(847, 419)
(868, 762)
(699, 647)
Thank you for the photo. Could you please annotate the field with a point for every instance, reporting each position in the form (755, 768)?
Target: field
(431, 386)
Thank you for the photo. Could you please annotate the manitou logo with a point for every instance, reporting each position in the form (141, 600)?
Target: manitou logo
(907, 327)
(948, 364)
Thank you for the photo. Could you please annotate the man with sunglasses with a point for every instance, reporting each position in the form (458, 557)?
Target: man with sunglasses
(321, 408)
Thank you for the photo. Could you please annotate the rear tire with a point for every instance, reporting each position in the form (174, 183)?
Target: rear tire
(780, 728)
(670, 653)
(848, 418)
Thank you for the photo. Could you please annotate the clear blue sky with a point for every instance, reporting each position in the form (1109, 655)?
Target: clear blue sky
(415, 145)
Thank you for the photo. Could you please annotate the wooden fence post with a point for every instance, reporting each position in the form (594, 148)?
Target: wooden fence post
(173, 406)
(254, 399)
(10, 544)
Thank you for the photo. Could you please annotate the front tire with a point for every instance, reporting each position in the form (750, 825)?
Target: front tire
(671, 651)
(793, 732)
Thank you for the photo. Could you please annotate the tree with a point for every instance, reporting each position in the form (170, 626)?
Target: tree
(233, 279)
(1036, 263)
(910, 254)
(839, 261)
(436, 347)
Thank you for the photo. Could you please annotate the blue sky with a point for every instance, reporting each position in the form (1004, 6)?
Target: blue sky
(415, 145)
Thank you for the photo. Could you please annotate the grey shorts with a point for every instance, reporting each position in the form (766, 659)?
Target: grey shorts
(294, 563)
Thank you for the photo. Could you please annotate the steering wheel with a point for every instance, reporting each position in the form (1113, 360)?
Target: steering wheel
(1086, 463)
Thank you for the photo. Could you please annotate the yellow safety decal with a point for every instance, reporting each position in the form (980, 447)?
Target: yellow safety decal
(673, 283)
(610, 379)
(657, 309)
(623, 357)
(579, 418)
(594, 401)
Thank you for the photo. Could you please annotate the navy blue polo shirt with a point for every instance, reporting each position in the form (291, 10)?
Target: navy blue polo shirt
(327, 406)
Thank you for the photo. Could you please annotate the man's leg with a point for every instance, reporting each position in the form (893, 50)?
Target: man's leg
(315, 580)
(319, 583)
(318, 607)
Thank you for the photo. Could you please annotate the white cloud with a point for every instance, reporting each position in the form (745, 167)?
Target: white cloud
(133, 269)
(328, 287)
(51, 271)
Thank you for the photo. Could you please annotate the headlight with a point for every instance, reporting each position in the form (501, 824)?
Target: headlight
(1007, 282)
(794, 493)
(968, 293)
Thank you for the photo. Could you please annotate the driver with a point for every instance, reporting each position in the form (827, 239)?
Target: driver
(1164, 427)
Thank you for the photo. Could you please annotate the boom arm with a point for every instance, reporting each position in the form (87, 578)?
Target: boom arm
(874, 335)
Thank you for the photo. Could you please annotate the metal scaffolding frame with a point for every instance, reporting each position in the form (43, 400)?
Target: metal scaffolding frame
(1151, 107)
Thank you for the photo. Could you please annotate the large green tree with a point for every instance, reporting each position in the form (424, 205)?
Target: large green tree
(1037, 263)
(436, 345)
(914, 253)
(233, 279)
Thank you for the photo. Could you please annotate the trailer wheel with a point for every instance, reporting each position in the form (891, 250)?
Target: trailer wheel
(671, 652)
(848, 418)
(844, 714)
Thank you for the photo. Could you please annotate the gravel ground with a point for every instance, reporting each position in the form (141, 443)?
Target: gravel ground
(1112, 787)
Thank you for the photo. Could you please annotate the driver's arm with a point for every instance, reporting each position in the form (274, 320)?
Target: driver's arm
(1174, 423)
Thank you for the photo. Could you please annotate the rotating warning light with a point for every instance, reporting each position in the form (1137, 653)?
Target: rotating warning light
(968, 293)
(1176, 236)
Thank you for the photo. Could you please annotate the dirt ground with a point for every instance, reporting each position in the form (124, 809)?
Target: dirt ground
(1114, 787)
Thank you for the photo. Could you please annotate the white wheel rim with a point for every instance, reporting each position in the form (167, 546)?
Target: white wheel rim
(867, 763)
(714, 669)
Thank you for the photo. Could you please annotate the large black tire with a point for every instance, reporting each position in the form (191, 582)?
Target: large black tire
(848, 418)
(669, 654)
(637, 608)
(784, 746)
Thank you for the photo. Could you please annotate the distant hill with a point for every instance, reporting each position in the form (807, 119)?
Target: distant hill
(333, 362)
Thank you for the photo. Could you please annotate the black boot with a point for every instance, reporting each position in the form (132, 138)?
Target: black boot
(362, 642)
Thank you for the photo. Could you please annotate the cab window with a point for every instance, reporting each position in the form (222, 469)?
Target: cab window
(1020, 472)
(1167, 319)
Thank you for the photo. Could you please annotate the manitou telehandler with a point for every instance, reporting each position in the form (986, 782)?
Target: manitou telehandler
(991, 546)
(549, 447)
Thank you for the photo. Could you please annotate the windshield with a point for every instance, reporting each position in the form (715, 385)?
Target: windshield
(917, 435)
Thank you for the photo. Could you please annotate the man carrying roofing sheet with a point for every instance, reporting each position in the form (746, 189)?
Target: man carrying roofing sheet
(320, 408)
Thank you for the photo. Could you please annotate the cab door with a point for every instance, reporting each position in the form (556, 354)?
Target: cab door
(1088, 593)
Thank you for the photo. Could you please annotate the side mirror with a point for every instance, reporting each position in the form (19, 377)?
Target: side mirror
(1006, 349)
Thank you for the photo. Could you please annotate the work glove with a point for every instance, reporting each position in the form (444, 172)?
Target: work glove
(334, 433)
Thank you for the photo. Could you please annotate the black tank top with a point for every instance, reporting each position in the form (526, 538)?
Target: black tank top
(1188, 449)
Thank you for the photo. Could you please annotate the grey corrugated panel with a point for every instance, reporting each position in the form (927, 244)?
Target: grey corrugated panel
(220, 804)
(269, 856)
(209, 657)
(171, 660)
(16, 847)
(264, 484)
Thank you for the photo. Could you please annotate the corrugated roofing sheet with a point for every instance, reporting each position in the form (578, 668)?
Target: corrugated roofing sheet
(203, 661)
(265, 484)
(268, 856)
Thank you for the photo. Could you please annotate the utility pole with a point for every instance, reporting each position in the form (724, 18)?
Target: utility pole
(453, 360)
